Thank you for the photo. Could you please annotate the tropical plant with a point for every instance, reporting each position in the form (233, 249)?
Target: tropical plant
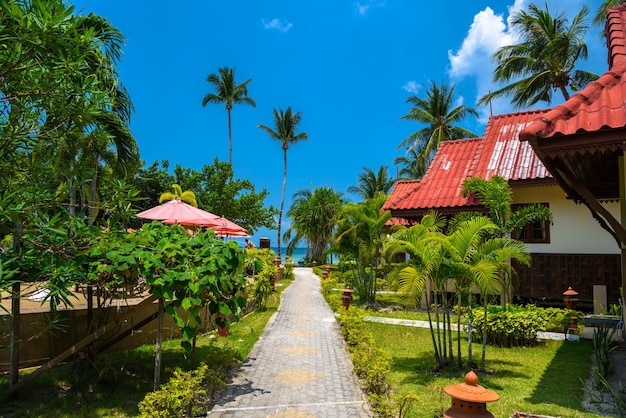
(188, 272)
(441, 119)
(313, 217)
(285, 127)
(359, 238)
(410, 163)
(545, 59)
(497, 196)
(371, 182)
(600, 16)
(425, 273)
(468, 255)
(229, 92)
(186, 196)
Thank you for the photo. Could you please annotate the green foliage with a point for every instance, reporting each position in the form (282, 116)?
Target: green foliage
(440, 115)
(313, 219)
(189, 272)
(288, 273)
(361, 232)
(183, 395)
(262, 286)
(514, 326)
(602, 337)
(219, 192)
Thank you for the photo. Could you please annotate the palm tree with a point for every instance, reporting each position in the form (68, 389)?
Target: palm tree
(370, 182)
(361, 232)
(545, 59)
(424, 274)
(186, 196)
(468, 255)
(410, 163)
(285, 126)
(600, 17)
(437, 113)
(229, 92)
(313, 217)
(496, 195)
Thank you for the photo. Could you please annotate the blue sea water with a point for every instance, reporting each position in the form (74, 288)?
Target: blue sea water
(298, 253)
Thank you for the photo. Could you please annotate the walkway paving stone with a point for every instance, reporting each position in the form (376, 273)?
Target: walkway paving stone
(300, 367)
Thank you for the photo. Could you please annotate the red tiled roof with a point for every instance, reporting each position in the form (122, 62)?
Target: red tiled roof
(498, 152)
(601, 103)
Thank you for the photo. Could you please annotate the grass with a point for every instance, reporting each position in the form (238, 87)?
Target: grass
(544, 380)
(73, 390)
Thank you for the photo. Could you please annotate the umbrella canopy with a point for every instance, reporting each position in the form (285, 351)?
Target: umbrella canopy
(227, 228)
(177, 211)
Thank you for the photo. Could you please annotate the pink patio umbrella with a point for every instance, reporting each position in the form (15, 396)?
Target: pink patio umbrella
(227, 228)
(176, 211)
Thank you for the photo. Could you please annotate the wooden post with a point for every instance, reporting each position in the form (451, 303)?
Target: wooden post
(15, 334)
(157, 356)
(14, 368)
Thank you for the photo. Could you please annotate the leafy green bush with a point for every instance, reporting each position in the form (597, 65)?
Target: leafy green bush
(288, 274)
(513, 326)
(262, 286)
(183, 395)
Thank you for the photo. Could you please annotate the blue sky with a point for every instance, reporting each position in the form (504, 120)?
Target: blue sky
(348, 66)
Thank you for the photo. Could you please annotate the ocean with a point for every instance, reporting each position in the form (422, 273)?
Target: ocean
(298, 253)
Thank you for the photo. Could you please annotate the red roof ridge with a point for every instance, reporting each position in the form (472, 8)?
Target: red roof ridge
(616, 35)
(577, 103)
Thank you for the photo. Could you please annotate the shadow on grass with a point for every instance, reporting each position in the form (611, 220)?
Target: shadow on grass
(562, 377)
(422, 371)
(120, 382)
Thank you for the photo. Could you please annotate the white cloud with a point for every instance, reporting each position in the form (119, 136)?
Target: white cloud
(486, 35)
(362, 8)
(276, 24)
(411, 86)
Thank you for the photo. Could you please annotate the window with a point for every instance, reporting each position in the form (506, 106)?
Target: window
(535, 232)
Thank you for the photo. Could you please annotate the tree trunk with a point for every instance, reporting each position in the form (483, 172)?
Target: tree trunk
(282, 198)
(157, 356)
(15, 312)
(230, 138)
(92, 198)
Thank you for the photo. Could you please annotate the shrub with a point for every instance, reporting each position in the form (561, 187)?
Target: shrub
(513, 326)
(602, 337)
(262, 286)
(183, 395)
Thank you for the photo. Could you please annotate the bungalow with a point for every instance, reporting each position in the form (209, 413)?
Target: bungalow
(574, 250)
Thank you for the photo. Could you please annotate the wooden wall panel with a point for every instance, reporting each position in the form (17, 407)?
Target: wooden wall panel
(551, 274)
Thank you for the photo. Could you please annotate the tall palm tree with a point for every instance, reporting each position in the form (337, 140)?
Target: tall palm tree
(229, 92)
(285, 127)
(545, 59)
(371, 182)
(186, 196)
(313, 217)
(440, 117)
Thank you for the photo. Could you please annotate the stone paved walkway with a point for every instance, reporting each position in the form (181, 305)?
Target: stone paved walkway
(300, 367)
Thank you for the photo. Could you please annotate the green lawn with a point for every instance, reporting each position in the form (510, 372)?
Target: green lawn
(544, 380)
